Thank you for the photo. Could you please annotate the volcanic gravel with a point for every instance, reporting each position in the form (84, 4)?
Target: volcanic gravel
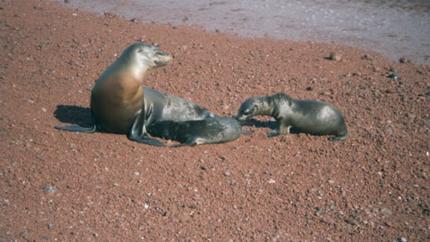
(62, 186)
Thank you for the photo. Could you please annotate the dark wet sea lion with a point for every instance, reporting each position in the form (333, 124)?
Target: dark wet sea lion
(194, 132)
(162, 107)
(307, 116)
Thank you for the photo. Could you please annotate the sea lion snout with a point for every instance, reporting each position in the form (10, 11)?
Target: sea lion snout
(242, 114)
(150, 54)
(162, 58)
(247, 109)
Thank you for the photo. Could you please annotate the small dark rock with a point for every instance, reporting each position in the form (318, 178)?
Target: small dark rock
(366, 57)
(404, 60)
(334, 57)
(351, 221)
(108, 14)
(400, 239)
(309, 88)
(161, 211)
(392, 75)
(49, 189)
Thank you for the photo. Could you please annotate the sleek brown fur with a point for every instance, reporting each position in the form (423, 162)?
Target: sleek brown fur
(118, 97)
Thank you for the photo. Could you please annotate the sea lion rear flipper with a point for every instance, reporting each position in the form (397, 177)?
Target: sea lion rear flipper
(77, 128)
(145, 139)
(338, 137)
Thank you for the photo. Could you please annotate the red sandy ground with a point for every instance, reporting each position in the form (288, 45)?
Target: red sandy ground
(60, 186)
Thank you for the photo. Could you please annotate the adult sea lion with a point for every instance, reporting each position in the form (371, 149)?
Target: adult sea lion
(307, 116)
(117, 97)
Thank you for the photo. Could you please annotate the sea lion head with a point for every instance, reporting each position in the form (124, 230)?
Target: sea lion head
(249, 108)
(148, 55)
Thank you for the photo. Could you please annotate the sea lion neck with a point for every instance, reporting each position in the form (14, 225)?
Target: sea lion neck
(133, 66)
(266, 107)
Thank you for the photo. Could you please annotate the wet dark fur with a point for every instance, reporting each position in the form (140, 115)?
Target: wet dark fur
(300, 115)
(207, 131)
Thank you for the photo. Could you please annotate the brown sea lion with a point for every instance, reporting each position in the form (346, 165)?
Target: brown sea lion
(117, 97)
(307, 116)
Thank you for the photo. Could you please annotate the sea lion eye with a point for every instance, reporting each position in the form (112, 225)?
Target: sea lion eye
(247, 111)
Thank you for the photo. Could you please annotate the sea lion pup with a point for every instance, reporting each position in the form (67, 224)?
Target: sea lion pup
(160, 107)
(195, 132)
(117, 97)
(307, 116)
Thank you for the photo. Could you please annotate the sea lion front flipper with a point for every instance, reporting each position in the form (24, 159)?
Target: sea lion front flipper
(273, 133)
(77, 128)
(138, 131)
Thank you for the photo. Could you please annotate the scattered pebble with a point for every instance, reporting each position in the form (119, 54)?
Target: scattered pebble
(49, 189)
(366, 57)
(50, 226)
(227, 173)
(400, 239)
(392, 74)
(334, 56)
(386, 211)
(351, 221)
(404, 60)
(203, 168)
(271, 181)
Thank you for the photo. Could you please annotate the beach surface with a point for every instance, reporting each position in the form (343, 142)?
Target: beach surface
(395, 28)
(62, 186)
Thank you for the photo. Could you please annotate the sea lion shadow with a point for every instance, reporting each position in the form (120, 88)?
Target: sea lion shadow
(267, 124)
(73, 115)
